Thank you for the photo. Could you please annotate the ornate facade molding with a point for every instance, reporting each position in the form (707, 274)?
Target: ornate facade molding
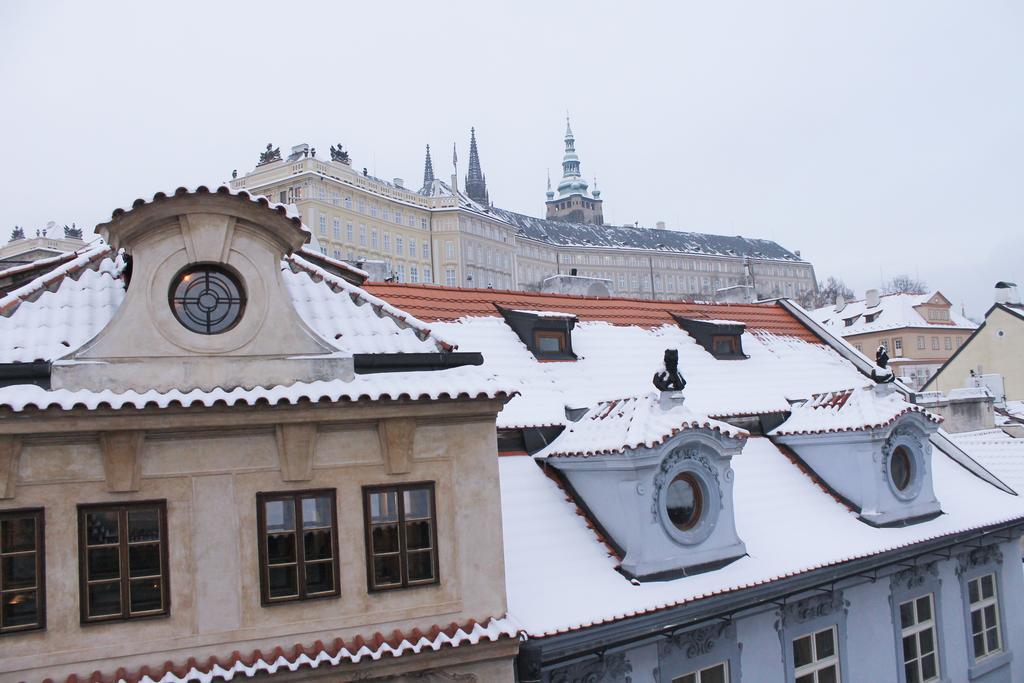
(911, 578)
(695, 642)
(979, 557)
(669, 463)
(814, 607)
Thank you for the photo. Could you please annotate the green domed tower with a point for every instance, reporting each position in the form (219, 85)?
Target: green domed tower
(574, 203)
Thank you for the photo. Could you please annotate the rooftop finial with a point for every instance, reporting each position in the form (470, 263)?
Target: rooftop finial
(568, 128)
(428, 170)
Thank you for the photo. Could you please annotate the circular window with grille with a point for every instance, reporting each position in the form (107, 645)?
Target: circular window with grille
(207, 299)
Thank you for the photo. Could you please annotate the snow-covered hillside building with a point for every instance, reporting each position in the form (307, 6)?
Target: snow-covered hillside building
(920, 331)
(224, 457)
(781, 518)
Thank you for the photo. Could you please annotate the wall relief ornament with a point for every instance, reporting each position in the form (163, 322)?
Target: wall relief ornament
(695, 642)
(608, 669)
(979, 557)
(913, 577)
(668, 466)
(816, 606)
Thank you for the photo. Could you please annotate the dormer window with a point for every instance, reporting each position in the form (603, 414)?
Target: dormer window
(207, 299)
(723, 339)
(548, 334)
(900, 468)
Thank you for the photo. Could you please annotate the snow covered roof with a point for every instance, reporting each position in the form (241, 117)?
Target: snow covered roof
(997, 451)
(555, 564)
(863, 407)
(563, 233)
(301, 658)
(628, 423)
(894, 311)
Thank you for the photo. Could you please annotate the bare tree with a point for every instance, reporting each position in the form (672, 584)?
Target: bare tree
(827, 292)
(904, 284)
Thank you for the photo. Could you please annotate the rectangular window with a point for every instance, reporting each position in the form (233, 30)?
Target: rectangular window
(362, 235)
(815, 658)
(449, 250)
(348, 232)
(949, 343)
(373, 238)
(337, 229)
(897, 346)
(400, 272)
(348, 202)
(414, 274)
(22, 580)
(935, 343)
(724, 344)
(719, 673)
(449, 277)
(387, 242)
(920, 342)
(426, 250)
(426, 275)
(323, 225)
(549, 341)
(959, 342)
(984, 616)
(298, 537)
(423, 223)
(122, 561)
(412, 247)
(399, 245)
(917, 630)
(401, 535)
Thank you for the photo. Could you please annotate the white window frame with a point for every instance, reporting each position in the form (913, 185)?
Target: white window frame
(979, 607)
(914, 631)
(816, 664)
(698, 676)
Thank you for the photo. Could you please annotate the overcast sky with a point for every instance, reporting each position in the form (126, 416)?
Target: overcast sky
(876, 137)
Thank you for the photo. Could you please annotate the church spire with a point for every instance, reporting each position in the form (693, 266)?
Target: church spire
(428, 170)
(476, 182)
(572, 182)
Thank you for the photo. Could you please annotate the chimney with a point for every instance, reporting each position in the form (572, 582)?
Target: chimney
(797, 253)
(840, 303)
(1006, 293)
(660, 225)
(399, 182)
(871, 298)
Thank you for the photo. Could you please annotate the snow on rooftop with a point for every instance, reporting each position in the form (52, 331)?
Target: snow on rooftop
(628, 423)
(555, 566)
(997, 451)
(547, 314)
(863, 407)
(894, 311)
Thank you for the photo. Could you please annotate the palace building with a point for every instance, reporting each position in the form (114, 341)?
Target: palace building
(456, 235)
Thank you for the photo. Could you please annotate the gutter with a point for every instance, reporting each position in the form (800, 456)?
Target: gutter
(367, 363)
(36, 372)
(597, 640)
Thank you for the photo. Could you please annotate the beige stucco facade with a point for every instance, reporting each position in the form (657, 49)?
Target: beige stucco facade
(915, 352)
(996, 348)
(209, 463)
(355, 217)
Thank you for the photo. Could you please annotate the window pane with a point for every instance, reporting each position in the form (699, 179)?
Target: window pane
(19, 609)
(827, 675)
(972, 589)
(809, 678)
(417, 535)
(283, 581)
(992, 638)
(280, 515)
(417, 503)
(18, 571)
(318, 544)
(688, 678)
(319, 577)
(144, 559)
(910, 670)
(927, 641)
(101, 528)
(145, 595)
(104, 563)
(143, 525)
(316, 512)
(976, 621)
(715, 674)
(979, 645)
(990, 615)
(924, 608)
(907, 614)
(549, 343)
(280, 548)
(386, 570)
(802, 651)
(17, 535)
(104, 599)
(987, 589)
(909, 648)
(385, 538)
(825, 644)
(928, 667)
(384, 506)
(421, 566)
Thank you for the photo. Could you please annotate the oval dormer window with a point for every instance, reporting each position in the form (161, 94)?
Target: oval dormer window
(684, 501)
(900, 468)
(207, 299)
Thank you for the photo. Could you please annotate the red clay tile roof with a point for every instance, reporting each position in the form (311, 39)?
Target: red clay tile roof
(431, 303)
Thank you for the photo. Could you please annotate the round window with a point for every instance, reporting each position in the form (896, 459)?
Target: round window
(684, 501)
(207, 299)
(900, 467)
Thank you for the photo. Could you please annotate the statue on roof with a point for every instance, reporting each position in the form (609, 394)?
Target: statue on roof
(18, 233)
(669, 378)
(272, 154)
(882, 373)
(72, 233)
(339, 154)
